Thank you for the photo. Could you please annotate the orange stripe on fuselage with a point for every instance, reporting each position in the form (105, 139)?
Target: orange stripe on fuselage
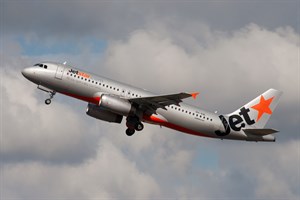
(151, 119)
(156, 120)
(94, 100)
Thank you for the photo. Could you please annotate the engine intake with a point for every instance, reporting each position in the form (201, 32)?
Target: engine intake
(103, 114)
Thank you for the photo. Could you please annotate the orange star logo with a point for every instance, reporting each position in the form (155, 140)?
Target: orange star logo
(263, 107)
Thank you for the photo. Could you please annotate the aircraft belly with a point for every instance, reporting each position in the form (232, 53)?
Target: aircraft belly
(189, 124)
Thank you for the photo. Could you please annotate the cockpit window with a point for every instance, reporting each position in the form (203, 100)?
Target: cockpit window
(41, 65)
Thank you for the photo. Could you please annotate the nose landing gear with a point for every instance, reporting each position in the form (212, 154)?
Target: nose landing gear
(51, 94)
(133, 124)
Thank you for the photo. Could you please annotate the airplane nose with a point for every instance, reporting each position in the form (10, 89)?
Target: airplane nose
(26, 72)
(29, 73)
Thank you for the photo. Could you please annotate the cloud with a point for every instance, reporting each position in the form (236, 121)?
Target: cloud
(58, 152)
(245, 62)
(50, 133)
(100, 177)
(281, 166)
(114, 19)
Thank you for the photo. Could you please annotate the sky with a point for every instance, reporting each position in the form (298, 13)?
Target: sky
(229, 51)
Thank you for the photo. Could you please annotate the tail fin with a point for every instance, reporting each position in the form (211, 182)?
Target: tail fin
(261, 108)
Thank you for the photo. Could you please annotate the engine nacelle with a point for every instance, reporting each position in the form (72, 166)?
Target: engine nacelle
(116, 105)
(103, 114)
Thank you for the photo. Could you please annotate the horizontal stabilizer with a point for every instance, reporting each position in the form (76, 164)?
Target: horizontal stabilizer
(260, 132)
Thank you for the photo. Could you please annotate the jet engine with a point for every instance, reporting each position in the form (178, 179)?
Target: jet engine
(103, 114)
(117, 105)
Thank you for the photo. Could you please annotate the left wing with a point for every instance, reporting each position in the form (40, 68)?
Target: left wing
(155, 102)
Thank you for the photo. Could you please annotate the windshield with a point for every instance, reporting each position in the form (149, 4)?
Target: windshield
(41, 65)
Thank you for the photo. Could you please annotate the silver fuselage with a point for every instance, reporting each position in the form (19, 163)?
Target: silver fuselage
(88, 87)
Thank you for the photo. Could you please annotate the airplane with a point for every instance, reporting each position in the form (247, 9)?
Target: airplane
(111, 101)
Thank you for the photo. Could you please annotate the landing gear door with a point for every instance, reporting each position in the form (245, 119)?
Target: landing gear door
(59, 72)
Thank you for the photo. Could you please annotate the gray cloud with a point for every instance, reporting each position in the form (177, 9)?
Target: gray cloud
(115, 19)
(231, 52)
(160, 162)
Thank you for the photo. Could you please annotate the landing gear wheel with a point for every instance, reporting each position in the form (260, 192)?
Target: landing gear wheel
(50, 92)
(139, 126)
(130, 132)
(47, 101)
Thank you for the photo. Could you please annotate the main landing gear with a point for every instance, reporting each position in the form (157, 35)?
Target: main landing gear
(133, 124)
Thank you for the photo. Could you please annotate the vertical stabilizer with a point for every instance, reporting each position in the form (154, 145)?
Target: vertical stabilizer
(261, 108)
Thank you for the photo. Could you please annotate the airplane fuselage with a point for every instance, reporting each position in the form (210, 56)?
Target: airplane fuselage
(182, 117)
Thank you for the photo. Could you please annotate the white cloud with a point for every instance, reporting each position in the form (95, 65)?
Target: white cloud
(229, 61)
(108, 175)
(243, 62)
(54, 133)
(58, 152)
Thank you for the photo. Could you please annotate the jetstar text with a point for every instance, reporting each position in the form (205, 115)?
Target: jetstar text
(79, 73)
(235, 122)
